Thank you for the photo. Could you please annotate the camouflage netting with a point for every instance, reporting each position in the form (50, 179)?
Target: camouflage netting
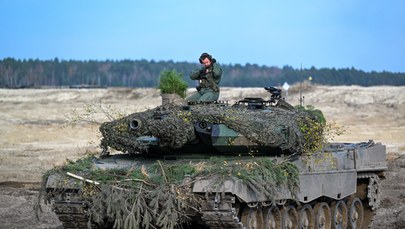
(279, 127)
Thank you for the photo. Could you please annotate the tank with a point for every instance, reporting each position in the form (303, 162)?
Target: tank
(258, 163)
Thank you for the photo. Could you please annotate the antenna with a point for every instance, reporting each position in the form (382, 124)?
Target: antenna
(301, 97)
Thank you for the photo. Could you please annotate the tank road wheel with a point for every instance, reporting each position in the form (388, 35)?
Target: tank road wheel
(272, 218)
(322, 216)
(281, 202)
(356, 213)
(374, 192)
(252, 218)
(306, 216)
(339, 215)
(290, 217)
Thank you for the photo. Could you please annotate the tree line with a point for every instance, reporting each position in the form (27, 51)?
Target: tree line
(16, 73)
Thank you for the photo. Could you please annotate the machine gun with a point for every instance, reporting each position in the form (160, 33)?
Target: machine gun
(259, 103)
(275, 93)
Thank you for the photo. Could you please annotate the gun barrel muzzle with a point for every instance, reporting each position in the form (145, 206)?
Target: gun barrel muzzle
(135, 124)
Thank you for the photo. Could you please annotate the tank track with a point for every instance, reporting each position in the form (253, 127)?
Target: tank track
(373, 194)
(71, 210)
(373, 189)
(72, 216)
(219, 212)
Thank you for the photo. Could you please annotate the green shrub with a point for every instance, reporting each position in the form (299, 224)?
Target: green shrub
(171, 82)
(316, 113)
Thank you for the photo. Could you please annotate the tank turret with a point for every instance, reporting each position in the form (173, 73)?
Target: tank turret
(267, 127)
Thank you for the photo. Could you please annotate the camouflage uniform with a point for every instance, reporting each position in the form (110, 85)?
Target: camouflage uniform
(208, 89)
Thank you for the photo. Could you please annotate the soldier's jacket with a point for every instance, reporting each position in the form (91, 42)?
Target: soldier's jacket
(209, 80)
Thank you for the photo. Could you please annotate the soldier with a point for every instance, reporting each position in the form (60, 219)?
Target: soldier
(209, 76)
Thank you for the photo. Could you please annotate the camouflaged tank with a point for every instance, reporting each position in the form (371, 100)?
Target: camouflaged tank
(253, 164)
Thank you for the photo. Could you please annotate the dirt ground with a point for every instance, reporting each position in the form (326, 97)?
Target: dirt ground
(41, 128)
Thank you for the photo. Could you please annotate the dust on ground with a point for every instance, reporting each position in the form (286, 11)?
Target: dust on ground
(37, 133)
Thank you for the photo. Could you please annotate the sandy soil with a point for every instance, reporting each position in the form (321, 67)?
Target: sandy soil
(37, 132)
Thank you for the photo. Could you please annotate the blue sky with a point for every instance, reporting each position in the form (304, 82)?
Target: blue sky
(364, 34)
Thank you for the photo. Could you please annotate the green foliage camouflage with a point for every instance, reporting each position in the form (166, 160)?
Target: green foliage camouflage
(314, 126)
(282, 126)
(158, 195)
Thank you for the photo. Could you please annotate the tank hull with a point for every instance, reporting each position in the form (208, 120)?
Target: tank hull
(338, 186)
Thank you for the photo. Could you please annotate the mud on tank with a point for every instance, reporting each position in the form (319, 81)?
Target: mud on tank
(252, 164)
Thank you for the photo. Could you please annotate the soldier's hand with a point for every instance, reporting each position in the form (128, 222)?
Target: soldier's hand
(203, 72)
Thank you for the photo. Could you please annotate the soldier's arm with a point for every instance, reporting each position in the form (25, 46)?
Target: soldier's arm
(196, 74)
(217, 71)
